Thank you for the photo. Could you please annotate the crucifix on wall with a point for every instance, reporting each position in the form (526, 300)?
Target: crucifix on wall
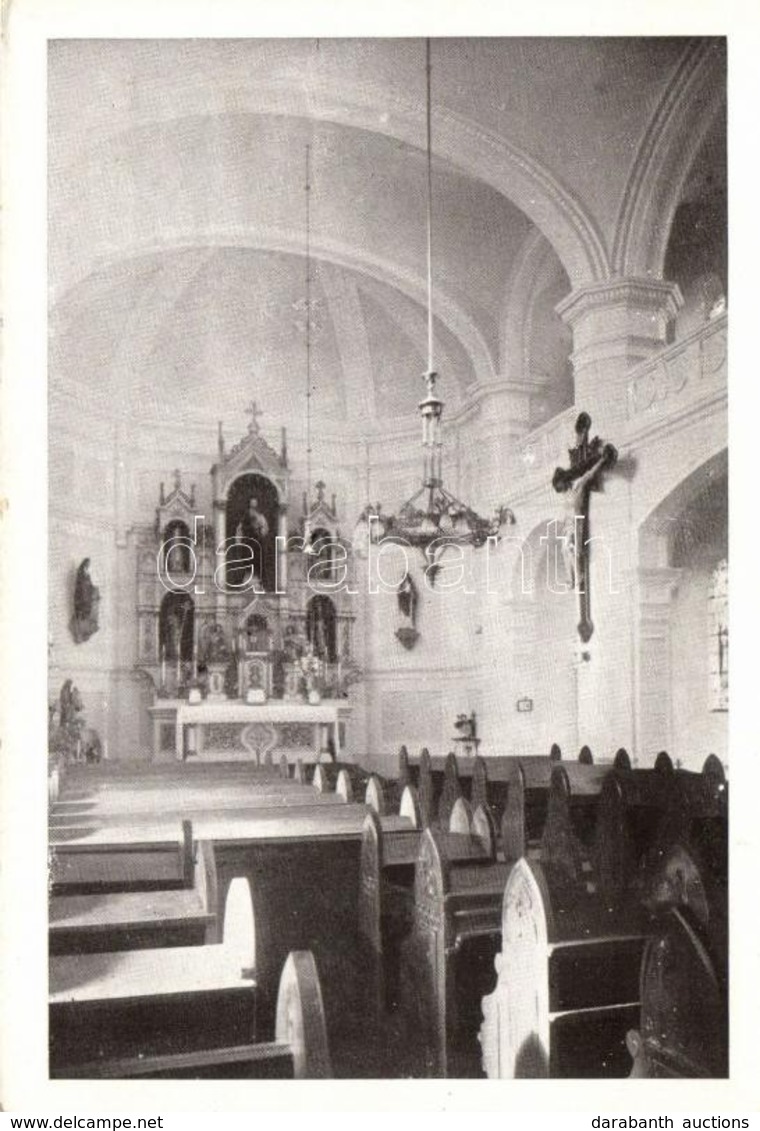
(589, 459)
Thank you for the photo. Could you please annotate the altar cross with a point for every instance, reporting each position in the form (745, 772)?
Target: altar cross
(588, 460)
(254, 412)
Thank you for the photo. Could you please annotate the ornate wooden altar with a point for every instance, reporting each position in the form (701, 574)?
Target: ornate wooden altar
(242, 607)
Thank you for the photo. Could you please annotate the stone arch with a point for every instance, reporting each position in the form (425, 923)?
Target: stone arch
(687, 111)
(465, 145)
(681, 540)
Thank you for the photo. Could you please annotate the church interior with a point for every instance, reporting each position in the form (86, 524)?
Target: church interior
(388, 558)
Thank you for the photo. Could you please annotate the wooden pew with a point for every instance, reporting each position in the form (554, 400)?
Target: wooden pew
(387, 863)
(631, 808)
(526, 810)
(156, 1002)
(303, 869)
(683, 1026)
(138, 919)
(567, 985)
(687, 867)
(186, 801)
(299, 1051)
(447, 960)
(569, 840)
(353, 779)
(87, 869)
(185, 1012)
(682, 1031)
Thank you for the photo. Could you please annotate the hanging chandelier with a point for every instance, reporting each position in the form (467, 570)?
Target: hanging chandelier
(433, 519)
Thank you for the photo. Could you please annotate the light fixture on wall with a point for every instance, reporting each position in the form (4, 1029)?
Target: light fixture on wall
(432, 519)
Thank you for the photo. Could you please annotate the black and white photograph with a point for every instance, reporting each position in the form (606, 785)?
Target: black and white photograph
(387, 558)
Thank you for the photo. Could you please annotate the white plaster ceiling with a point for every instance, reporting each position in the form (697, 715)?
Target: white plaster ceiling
(177, 213)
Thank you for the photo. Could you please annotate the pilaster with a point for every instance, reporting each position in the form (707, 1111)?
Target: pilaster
(616, 324)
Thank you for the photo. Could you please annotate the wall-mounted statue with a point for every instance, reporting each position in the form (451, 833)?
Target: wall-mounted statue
(84, 622)
(408, 597)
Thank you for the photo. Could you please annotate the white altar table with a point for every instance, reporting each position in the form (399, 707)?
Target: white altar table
(273, 727)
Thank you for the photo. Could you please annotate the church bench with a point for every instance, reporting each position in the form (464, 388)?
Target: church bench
(150, 865)
(130, 920)
(567, 988)
(387, 864)
(156, 1002)
(181, 792)
(447, 958)
(353, 779)
(385, 797)
(527, 801)
(570, 837)
(682, 1028)
(687, 866)
(207, 809)
(491, 777)
(299, 1050)
(630, 814)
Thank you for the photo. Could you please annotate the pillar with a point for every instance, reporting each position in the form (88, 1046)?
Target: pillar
(616, 324)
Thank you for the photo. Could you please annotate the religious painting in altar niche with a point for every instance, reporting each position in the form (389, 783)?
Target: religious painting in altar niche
(176, 624)
(255, 678)
(257, 636)
(251, 531)
(321, 628)
(176, 545)
(322, 568)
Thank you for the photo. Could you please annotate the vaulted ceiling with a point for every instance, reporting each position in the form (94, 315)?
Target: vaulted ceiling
(177, 214)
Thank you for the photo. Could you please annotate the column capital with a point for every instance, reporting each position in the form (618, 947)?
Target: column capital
(616, 325)
(655, 297)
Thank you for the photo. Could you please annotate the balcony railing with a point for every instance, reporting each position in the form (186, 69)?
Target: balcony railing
(684, 371)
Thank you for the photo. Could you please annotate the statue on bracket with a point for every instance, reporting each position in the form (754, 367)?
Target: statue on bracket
(84, 622)
(408, 598)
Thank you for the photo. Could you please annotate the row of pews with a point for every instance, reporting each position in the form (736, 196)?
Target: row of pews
(513, 917)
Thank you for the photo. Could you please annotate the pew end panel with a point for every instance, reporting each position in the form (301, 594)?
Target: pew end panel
(305, 896)
(300, 1017)
(448, 956)
(148, 1002)
(683, 1027)
(299, 1051)
(567, 984)
(410, 807)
